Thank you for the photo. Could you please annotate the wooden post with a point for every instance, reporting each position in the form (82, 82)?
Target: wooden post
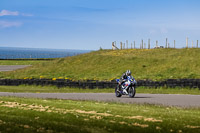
(166, 43)
(174, 43)
(124, 45)
(131, 45)
(156, 44)
(120, 45)
(142, 43)
(127, 44)
(134, 44)
(149, 46)
(197, 43)
(186, 42)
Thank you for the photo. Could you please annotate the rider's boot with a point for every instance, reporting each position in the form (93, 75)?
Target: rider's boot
(125, 91)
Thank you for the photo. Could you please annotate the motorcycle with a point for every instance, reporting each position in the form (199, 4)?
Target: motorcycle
(129, 86)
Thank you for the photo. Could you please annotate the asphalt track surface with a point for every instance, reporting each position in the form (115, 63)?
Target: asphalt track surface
(4, 68)
(158, 99)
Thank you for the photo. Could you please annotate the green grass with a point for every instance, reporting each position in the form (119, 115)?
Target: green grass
(155, 64)
(35, 115)
(53, 89)
(22, 62)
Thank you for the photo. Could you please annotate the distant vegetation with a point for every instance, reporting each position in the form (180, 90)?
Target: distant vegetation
(155, 64)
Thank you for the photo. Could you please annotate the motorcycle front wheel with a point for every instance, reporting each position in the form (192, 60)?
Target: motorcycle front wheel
(132, 92)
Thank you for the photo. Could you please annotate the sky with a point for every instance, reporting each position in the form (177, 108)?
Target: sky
(91, 24)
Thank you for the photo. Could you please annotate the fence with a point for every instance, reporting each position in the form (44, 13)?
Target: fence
(91, 84)
(144, 46)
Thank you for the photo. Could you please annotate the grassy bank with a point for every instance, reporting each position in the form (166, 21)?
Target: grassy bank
(53, 89)
(35, 115)
(155, 64)
(22, 62)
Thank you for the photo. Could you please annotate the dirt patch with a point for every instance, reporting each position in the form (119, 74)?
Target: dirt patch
(158, 128)
(112, 121)
(122, 123)
(96, 117)
(92, 112)
(189, 126)
(152, 120)
(135, 117)
(140, 125)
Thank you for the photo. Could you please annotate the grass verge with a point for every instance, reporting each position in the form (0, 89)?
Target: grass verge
(54, 89)
(36, 115)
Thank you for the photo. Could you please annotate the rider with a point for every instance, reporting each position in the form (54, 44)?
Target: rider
(123, 79)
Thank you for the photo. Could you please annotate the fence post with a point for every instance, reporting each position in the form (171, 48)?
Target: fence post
(127, 44)
(156, 44)
(166, 43)
(174, 43)
(121, 45)
(134, 44)
(124, 45)
(186, 42)
(149, 42)
(131, 45)
(142, 43)
(197, 43)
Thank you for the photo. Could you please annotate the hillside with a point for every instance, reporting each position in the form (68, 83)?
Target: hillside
(155, 64)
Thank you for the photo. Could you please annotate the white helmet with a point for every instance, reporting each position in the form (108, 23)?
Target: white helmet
(128, 72)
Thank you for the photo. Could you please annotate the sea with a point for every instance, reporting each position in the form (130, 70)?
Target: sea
(37, 53)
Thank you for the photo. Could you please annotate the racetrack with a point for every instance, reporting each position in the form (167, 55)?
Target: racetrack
(159, 99)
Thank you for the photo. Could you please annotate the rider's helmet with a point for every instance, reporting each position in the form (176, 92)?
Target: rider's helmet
(128, 73)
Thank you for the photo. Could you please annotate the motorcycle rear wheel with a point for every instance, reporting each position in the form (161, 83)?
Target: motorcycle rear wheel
(132, 92)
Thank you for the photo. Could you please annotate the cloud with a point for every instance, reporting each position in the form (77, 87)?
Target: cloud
(27, 15)
(7, 24)
(8, 13)
(15, 13)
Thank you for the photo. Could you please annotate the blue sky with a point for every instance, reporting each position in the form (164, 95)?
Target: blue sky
(91, 24)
